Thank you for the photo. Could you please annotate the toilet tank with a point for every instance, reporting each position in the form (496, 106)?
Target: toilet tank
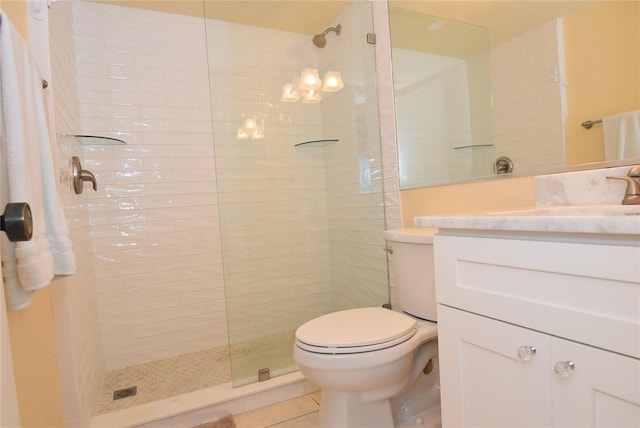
(411, 272)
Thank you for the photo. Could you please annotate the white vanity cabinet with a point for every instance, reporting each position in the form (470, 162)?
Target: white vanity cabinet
(538, 330)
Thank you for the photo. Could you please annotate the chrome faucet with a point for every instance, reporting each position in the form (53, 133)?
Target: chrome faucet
(632, 194)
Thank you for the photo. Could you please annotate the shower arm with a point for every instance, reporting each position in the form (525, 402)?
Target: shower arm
(336, 29)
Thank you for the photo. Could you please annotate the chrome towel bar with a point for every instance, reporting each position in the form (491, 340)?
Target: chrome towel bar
(589, 123)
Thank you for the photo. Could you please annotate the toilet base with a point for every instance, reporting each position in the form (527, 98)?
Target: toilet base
(348, 410)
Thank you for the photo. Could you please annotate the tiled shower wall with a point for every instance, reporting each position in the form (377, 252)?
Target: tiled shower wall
(142, 77)
(301, 226)
(433, 105)
(272, 195)
(353, 166)
(74, 297)
(529, 129)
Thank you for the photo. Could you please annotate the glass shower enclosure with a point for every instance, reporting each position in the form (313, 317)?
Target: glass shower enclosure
(298, 172)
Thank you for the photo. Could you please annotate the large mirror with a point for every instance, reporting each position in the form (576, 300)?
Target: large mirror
(486, 88)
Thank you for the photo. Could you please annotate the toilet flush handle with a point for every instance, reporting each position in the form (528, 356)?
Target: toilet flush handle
(388, 250)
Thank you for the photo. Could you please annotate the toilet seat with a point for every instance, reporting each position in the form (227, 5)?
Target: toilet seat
(355, 330)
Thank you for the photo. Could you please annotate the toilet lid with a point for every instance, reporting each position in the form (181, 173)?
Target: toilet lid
(355, 330)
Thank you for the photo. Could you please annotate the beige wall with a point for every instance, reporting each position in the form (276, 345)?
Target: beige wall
(17, 11)
(35, 363)
(31, 330)
(500, 194)
(603, 39)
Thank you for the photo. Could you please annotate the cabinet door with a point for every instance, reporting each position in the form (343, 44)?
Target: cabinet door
(581, 291)
(484, 380)
(602, 389)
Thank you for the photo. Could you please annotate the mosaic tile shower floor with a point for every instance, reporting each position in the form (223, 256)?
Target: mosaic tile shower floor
(166, 378)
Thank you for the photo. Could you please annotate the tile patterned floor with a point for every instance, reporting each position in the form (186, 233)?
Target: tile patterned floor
(166, 378)
(274, 351)
(301, 412)
(191, 372)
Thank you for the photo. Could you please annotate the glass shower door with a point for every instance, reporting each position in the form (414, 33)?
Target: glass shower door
(299, 177)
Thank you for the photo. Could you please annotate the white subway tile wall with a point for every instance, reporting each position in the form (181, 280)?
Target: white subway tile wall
(143, 77)
(530, 129)
(301, 208)
(74, 297)
(356, 212)
(272, 195)
(433, 116)
(435, 113)
(161, 217)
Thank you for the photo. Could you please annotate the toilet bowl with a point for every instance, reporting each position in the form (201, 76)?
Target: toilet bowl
(378, 367)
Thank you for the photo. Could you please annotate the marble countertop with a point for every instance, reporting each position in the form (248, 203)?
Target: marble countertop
(590, 219)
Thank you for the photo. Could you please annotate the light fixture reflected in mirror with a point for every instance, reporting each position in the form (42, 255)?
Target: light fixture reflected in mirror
(242, 134)
(252, 127)
(250, 123)
(308, 86)
(312, 97)
(289, 94)
(309, 79)
(258, 134)
(332, 81)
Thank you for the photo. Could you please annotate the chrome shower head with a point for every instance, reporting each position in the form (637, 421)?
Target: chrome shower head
(320, 40)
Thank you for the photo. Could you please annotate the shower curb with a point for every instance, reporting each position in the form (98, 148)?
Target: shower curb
(207, 404)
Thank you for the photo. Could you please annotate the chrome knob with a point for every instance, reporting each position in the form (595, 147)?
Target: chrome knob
(17, 222)
(526, 352)
(564, 368)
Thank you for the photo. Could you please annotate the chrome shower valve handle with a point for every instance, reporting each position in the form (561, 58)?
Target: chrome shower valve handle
(81, 175)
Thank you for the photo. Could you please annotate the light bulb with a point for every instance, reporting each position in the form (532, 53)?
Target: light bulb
(250, 123)
(289, 95)
(242, 134)
(309, 79)
(258, 134)
(312, 97)
(332, 81)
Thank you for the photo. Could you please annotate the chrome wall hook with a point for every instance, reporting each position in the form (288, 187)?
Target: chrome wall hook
(81, 175)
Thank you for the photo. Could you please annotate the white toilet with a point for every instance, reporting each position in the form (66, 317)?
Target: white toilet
(376, 367)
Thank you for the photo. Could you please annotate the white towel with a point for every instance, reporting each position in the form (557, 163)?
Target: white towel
(28, 175)
(622, 136)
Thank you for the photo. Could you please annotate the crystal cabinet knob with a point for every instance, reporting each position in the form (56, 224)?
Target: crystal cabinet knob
(526, 352)
(564, 368)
